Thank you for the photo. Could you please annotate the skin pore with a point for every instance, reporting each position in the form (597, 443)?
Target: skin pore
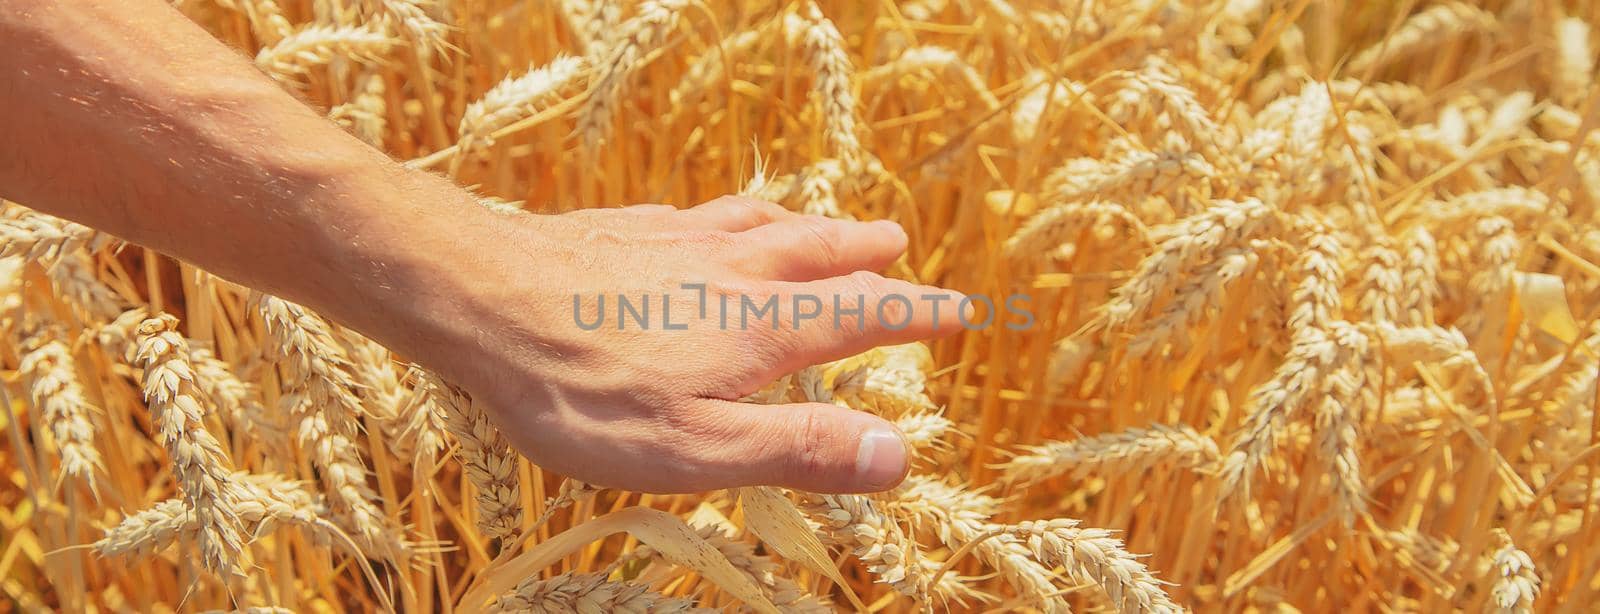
(126, 117)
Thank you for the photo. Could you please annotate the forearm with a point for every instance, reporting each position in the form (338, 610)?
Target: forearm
(125, 116)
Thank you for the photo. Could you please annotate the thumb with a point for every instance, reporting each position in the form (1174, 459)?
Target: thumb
(815, 447)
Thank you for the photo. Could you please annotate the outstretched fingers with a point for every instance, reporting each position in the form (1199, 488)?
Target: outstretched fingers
(842, 316)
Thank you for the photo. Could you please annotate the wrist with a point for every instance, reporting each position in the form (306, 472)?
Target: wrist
(402, 264)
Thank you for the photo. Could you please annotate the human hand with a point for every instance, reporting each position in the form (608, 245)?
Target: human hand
(652, 409)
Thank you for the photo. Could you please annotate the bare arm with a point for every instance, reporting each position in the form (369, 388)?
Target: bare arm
(125, 116)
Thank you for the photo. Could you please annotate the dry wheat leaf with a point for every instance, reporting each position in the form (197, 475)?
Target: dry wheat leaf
(668, 534)
(1544, 304)
(779, 524)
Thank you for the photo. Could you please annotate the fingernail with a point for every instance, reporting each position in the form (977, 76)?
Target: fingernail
(896, 228)
(881, 459)
(969, 309)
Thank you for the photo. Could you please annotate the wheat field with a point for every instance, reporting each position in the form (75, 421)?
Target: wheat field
(1316, 288)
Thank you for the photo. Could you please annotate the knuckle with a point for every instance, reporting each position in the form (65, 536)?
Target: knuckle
(767, 208)
(867, 283)
(825, 242)
(810, 457)
(714, 239)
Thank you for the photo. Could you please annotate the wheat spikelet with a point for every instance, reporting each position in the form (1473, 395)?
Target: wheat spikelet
(201, 468)
(1313, 355)
(939, 62)
(1133, 174)
(1206, 288)
(1409, 344)
(411, 16)
(817, 189)
(1068, 357)
(1287, 394)
(1421, 550)
(1188, 242)
(1427, 28)
(592, 21)
(118, 338)
(959, 518)
(1061, 224)
(1419, 276)
(515, 98)
(1125, 452)
(709, 69)
(1033, 108)
(586, 593)
(1571, 405)
(1493, 279)
(51, 376)
(1155, 90)
(889, 381)
(238, 401)
(1382, 284)
(264, 500)
(291, 58)
(149, 530)
(265, 16)
(321, 395)
(41, 238)
(1093, 555)
(421, 432)
(74, 279)
(1447, 347)
(365, 115)
(831, 72)
(490, 462)
(1514, 203)
(646, 31)
(858, 522)
(924, 431)
(1311, 118)
(1516, 582)
(1338, 417)
(1393, 96)
(1574, 68)
(1315, 302)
